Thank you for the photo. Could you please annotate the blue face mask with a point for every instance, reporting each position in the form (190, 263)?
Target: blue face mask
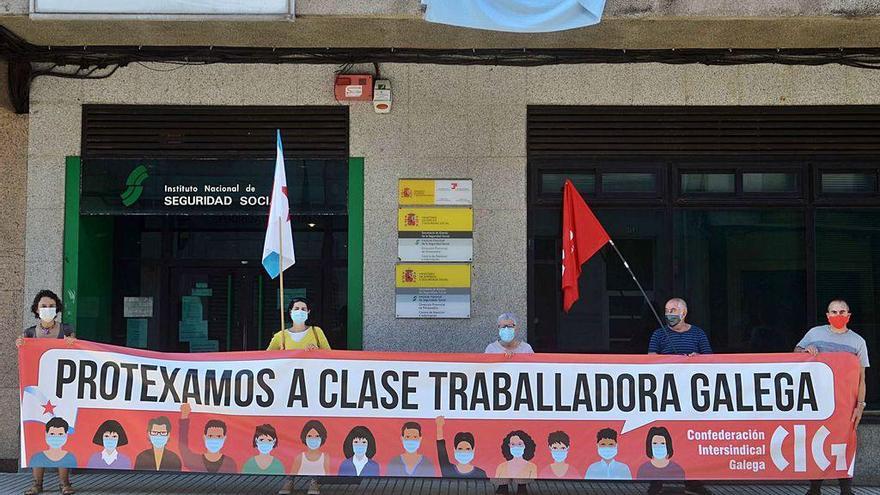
(110, 443)
(673, 320)
(464, 456)
(517, 450)
(659, 451)
(411, 445)
(159, 441)
(299, 316)
(559, 455)
(265, 447)
(608, 453)
(506, 334)
(359, 448)
(213, 445)
(56, 441)
(313, 442)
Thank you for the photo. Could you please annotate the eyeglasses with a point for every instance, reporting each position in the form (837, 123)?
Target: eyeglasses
(158, 433)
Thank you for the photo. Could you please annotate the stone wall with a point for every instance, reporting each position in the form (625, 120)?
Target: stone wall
(13, 199)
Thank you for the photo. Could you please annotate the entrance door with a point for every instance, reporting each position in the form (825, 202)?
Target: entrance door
(611, 314)
(215, 309)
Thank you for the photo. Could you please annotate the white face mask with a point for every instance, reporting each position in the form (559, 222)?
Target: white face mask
(47, 314)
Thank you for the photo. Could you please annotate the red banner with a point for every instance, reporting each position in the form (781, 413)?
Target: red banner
(755, 416)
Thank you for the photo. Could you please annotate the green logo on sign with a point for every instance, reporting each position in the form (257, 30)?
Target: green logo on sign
(133, 192)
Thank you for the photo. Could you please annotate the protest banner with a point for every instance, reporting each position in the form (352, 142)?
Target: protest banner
(766, 416)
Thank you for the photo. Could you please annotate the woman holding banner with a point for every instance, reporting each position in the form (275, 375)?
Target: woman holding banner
(299, 336)
(47, 307)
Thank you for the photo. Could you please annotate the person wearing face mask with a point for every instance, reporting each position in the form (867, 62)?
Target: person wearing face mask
(312, 462)
(683, 338)
(559, 444)
(658, 448)
(47, 308)
(678, 336)
(110, 435)
(53, 457)
(519, 450)
(464, 445)
(507, 342)
(836, 336)
(213, 460)
(607, 468)
(410, 462)
(359, 448)
(300, 335)
(265, 441)
(157, 457)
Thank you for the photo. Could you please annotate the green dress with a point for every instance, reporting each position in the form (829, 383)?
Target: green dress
(251, 467)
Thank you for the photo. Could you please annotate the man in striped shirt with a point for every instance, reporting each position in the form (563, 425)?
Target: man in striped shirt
(679, 337)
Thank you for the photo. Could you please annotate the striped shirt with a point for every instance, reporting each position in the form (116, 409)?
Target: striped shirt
(668, 341)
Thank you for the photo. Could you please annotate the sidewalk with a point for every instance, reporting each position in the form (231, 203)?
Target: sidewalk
(145, 483)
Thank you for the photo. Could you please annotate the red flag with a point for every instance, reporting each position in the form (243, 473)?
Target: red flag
(582, 236)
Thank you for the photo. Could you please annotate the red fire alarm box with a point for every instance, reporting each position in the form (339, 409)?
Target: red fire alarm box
(355, 87)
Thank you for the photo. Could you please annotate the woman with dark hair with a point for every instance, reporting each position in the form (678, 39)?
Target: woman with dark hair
(359, 448)
(519, 450)
(312, 462)
(47, 308)
(658, 448)
(559, 443)
(464, 446)
(300, 335)
(265, 440)
(110, 435)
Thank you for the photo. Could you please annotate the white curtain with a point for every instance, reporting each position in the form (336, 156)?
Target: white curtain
(518, 16)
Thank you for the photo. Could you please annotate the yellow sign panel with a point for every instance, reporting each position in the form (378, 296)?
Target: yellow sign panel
(430, 192)
(419, 276)
(415, 191)
(435, 220)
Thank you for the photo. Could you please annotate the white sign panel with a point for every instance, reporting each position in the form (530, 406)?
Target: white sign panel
(164, 7)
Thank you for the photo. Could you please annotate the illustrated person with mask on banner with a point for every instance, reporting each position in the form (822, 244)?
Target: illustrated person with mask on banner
(507, 342)
(410, 462)
(300, 335)
(683, 338)
(836, 336)
(47, 308)
(606, 468)
(213, 460)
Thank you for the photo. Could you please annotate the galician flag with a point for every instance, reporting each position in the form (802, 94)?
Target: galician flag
(278, 246)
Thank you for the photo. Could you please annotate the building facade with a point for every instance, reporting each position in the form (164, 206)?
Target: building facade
(750, 190)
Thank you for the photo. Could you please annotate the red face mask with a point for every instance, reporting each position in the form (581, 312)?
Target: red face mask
(838, 321)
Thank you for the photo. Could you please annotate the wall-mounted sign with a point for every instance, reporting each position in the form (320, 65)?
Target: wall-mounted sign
(209, 187)
(439, 192)
(435, 234)
(137, 307)
(164, 7)
(433, 290)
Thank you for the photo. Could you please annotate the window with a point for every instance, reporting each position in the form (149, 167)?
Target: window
(708, 183)
(629, 182)
(730, 263)
(773, 182)
(848, 267)
(551, 183)
(843, 183)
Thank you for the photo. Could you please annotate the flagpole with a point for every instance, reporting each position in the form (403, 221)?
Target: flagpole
(633, 275)
(281, 278)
